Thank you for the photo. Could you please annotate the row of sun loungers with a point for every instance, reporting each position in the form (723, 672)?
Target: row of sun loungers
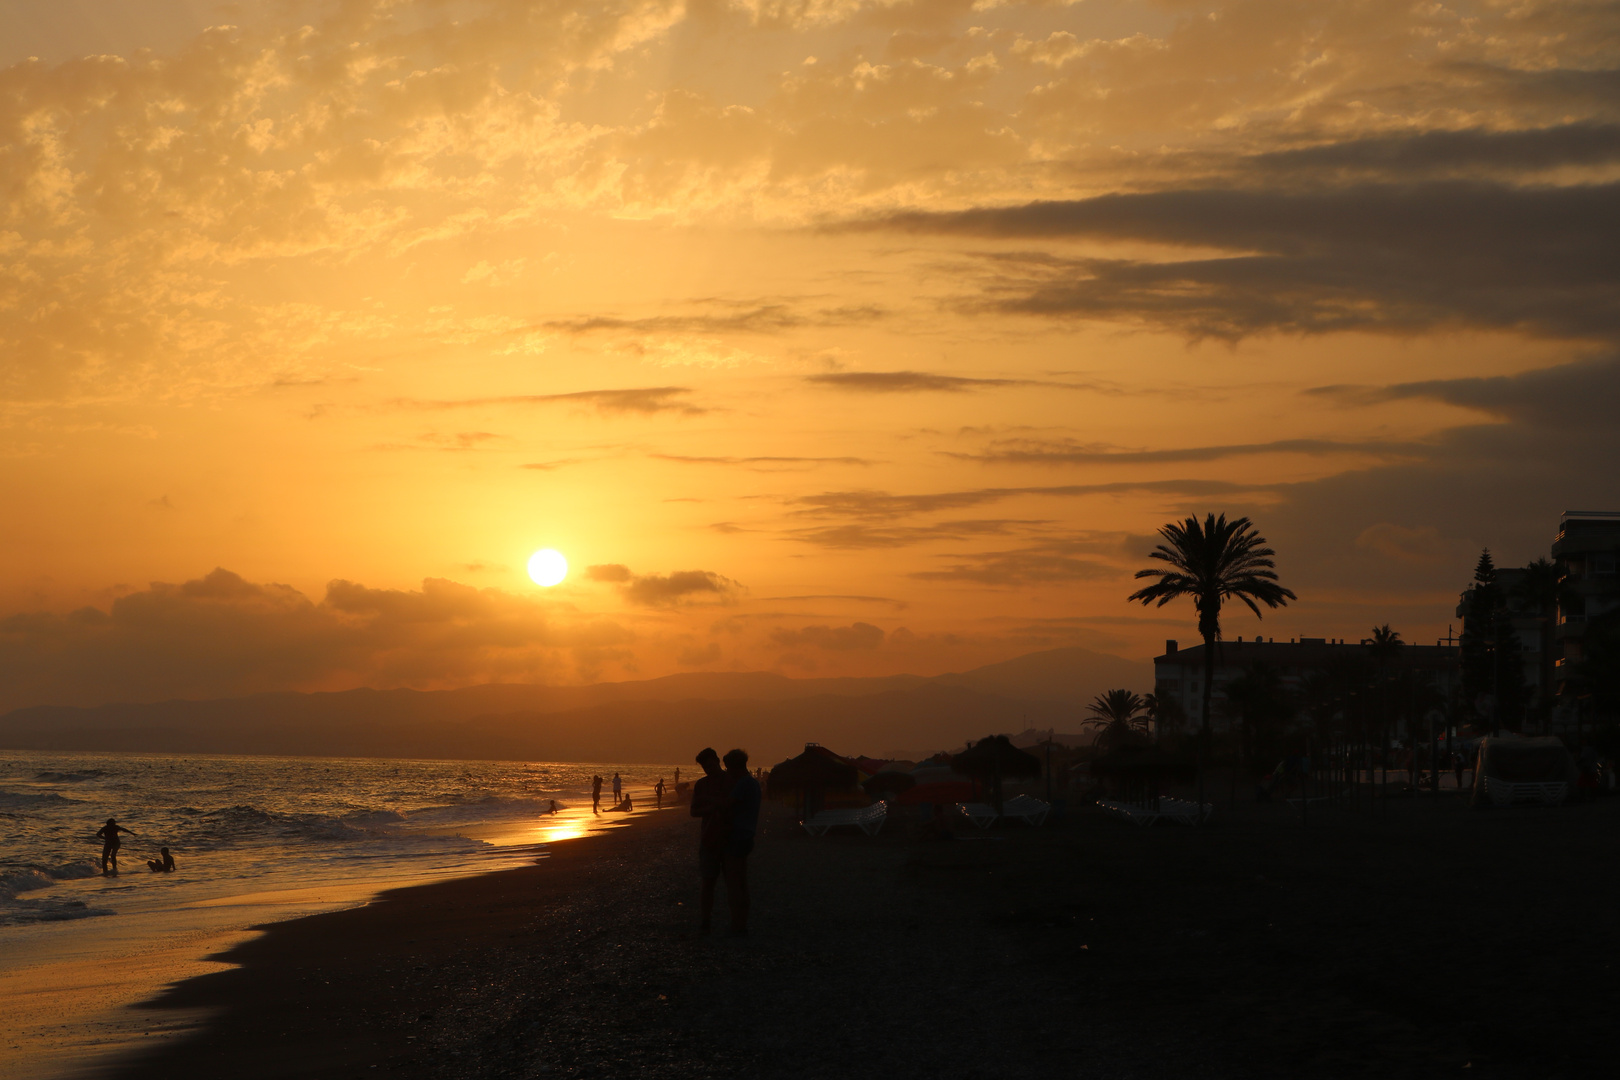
(869, 819)
(1506, 793)
(1025, 808)
(1182, 811)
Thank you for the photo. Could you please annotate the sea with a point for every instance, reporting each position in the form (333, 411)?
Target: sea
(255, 840)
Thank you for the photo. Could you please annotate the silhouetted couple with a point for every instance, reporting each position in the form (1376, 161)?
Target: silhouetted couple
(728, 803)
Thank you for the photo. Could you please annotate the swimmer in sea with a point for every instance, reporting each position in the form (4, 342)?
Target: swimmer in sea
(162, 865)
(110, 844)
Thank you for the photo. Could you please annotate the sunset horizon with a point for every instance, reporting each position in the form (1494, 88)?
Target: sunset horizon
(818, 338)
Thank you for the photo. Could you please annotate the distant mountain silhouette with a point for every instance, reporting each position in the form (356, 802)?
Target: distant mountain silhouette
(653, 720)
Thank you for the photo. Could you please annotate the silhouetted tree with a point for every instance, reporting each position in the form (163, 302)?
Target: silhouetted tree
(1263, 705)
(1211, 563)
(1120, 714)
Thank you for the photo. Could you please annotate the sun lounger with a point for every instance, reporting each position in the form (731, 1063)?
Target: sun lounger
(869, 819)
(1146, 813)
(1026, 808)
(981, 814)
(1505, 793)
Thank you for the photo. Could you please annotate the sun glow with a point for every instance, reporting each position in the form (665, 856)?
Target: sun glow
(547, 567)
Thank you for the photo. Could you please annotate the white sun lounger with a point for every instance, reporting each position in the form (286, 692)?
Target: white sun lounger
(1505, 793)
(1180, 810)
(869, 819)
(1027, 808)
(981, 814)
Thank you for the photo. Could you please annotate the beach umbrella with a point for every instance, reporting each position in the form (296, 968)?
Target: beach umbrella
(812, 772)
(993, 758)
(889, 783)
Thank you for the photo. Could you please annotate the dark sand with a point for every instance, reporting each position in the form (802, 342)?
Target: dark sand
(1425, 940)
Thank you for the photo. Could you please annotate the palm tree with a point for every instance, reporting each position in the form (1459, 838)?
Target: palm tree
(1384, 645)
(1119, 713)
(1211, 563)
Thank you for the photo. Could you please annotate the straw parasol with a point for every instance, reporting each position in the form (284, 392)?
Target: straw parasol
(993, 758)
(812, 772)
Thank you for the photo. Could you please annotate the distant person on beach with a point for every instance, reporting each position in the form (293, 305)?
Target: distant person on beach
(110, 843)
(709, 803)
(658, 793)
(616, 787)
(596, 794)
(164, 864)
(744, 812)
(553, 806)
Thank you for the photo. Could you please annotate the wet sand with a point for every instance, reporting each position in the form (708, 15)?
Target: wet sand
(1420, 939)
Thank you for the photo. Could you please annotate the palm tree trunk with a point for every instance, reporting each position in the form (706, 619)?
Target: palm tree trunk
(1203, 739)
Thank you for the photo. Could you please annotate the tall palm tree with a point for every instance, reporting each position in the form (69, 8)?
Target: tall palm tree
(1118, 713)
(1212, 562)
(1384, 645)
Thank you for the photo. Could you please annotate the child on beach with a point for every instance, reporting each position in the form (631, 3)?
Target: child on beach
(164, 864)
(658, 793)
(110, 843)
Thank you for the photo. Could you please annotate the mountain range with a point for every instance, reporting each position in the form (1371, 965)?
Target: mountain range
(653, 720)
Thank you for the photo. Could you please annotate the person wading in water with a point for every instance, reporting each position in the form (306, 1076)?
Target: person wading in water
(110, 844)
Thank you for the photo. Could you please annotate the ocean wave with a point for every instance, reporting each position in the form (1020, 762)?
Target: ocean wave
(488, 808)
(251, 822)
(52, 777)
(20, 912)
(40, 877)
(22, 800)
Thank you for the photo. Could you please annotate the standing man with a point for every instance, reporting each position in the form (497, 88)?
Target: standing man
(616, 788)
(709, 799)
(596, 794)
(658, 792)
(110, 843)
(744, 806)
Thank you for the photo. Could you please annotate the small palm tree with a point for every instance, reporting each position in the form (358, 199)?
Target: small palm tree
(1119, 713)
(1212, 562)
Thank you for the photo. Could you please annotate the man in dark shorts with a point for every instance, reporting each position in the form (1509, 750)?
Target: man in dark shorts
(743, 808)
(709, 802)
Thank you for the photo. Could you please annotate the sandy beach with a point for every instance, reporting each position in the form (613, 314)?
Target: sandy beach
(1413, 939)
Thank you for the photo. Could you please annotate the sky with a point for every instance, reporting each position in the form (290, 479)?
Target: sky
(827, 338)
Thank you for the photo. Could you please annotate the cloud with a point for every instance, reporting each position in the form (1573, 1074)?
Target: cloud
(855, 637)
(904, 382)
(1468, 152)
(644, 400)
(914, 382)
(1579, 394)
(666, 590)
(1069, 452)
(735, 317)
(222, 635)
(1398, 258)
(859, 536)
(764, 463)
(1043, 563)
(885, 506)
(1420, 545)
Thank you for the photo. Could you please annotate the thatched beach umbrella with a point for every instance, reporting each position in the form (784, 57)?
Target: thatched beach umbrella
(889, 783)
(992, 759)
(811, 773)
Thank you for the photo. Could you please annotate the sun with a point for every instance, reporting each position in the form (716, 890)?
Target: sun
(547, 567)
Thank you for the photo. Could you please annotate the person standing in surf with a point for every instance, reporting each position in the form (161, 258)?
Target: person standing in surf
(108, 835)
(596, 794)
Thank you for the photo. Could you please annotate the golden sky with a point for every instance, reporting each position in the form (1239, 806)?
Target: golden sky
(826, 337)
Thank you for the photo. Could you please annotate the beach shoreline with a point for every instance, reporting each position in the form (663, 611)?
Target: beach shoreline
(1255, 947)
